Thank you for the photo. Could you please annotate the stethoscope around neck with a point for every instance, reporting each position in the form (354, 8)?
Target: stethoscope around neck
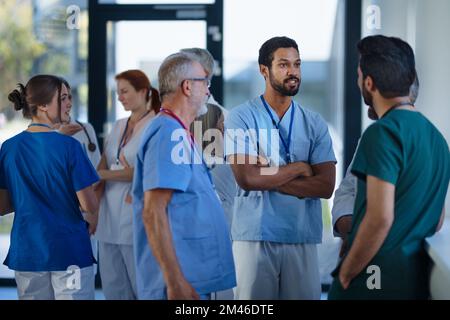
(91, 146)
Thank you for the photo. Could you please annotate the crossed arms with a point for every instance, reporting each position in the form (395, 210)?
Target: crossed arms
(313, 181)
(297, 179)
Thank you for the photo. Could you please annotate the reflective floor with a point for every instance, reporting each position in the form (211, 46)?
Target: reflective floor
(10, 293)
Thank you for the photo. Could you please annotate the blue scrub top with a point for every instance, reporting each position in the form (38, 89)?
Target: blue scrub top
(42, 172)
(197, 220)
(270, 215)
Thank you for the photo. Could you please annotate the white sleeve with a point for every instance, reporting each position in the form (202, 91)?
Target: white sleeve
(344, 198)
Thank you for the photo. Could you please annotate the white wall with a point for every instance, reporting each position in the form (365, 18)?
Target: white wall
(395, 18)
(433, 64)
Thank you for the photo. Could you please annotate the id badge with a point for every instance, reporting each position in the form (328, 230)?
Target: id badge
(116, 166)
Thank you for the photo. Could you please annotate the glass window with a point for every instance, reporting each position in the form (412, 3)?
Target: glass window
(127, 50)
(39, 36)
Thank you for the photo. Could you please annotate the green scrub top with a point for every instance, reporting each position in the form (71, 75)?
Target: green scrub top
(405, 149)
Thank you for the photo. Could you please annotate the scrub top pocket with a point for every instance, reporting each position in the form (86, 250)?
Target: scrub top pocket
(248, 210)
(301, 150)
(199, 258)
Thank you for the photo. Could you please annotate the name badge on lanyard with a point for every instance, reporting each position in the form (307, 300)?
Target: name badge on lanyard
(116, 166)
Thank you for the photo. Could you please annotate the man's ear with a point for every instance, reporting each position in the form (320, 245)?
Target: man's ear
(186, 88)
(369, 84)
(264, 70)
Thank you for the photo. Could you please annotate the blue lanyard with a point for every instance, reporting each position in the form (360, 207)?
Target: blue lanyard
(35, 124)
(286, 144)
(122, 139)
(119, 148)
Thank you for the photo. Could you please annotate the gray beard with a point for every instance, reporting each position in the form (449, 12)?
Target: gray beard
(203, 110)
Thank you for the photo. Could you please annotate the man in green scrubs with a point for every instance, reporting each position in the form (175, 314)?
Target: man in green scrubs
(403, 170)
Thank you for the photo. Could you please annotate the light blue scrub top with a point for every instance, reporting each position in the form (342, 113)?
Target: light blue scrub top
(197, 220)
(270, 215)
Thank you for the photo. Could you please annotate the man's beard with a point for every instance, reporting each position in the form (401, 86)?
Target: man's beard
(372, 114)
(202, 110)
(283, 88)
(368, 100)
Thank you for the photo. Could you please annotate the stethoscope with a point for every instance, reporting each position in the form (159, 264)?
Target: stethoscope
(91, 146)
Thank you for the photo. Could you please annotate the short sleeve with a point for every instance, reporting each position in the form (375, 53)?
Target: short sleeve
(82, 172)
(239, 137)
(2, 171)
(344, 197)
(167, 159)
(322, 150)
(379, 154)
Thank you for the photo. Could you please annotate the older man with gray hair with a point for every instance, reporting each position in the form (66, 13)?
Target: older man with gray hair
(181, 243)
(213, 118)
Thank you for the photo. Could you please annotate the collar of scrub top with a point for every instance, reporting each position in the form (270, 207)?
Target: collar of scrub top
(171, 114)
(122, 142)
(35, 124)
(398, 105)
(286, 143)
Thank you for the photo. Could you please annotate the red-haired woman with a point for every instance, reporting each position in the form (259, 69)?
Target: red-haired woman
(114, 231)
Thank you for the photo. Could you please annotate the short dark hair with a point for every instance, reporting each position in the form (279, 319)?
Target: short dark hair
(390, 63)
(270, 46)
